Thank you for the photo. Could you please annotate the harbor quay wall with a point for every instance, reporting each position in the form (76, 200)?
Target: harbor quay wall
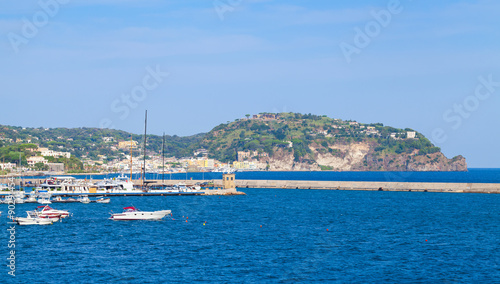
(350, 185)
(328, 185)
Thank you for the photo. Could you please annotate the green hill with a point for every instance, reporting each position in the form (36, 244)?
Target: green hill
(285, 141)
(326, 143)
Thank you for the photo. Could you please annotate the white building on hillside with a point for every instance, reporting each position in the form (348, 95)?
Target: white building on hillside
(7, 166)
(35, 160)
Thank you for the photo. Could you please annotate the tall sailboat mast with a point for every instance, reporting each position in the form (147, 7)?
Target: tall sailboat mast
(163, 159)
(131, 157)
(145, 139)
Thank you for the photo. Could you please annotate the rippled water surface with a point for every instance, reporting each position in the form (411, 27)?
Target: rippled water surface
(269, 235)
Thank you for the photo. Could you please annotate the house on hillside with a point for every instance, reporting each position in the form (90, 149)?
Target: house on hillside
(265, 116)
(32, 161)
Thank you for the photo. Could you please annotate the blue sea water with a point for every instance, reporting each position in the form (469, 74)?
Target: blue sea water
(474, 175)
(269, 235)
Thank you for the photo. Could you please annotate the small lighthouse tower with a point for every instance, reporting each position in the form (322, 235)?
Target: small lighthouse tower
(228, 181)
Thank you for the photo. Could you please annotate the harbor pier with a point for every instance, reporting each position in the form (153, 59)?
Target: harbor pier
(325, 185)
(348, 185)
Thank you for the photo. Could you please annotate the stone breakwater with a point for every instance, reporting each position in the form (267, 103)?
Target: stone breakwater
(355, 185)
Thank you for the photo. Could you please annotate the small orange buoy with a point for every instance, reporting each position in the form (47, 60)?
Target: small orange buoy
(426, 240)
(186, 221)
(261, 226)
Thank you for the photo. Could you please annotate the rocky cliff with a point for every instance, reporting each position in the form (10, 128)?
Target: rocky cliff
(360, 157)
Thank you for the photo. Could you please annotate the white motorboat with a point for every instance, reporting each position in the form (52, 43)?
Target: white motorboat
(31, 197)
(44, 198)
(132, 213)
(103, 200)
(37, 214)
(33, 218)
(19, 196)
(84, 199)
(32, 221)
(181, 187)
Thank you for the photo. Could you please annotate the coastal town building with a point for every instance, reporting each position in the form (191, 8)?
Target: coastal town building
(7, 166)
(108, 139)
(202, 152)
(265, 116)
(242, 155)
(245, 155)
(45, 152)
(245, 165)
(56, 167)
(32, 161)
(127, 144)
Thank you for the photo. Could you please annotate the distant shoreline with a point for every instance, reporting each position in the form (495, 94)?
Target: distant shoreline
(263, 171)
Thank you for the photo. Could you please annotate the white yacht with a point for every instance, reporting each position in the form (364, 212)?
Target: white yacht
(132, 213)
(64, 184)
(118, 184)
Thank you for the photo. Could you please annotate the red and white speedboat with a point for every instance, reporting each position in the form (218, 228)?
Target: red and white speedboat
(48, 212)
(132, 213)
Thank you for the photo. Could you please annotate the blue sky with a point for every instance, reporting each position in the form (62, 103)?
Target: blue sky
(94, 63)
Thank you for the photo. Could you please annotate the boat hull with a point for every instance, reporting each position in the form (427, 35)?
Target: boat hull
(32, 221)
(139, 215)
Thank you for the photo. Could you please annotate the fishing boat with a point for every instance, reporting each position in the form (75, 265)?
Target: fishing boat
(84, 199)
(101, 199)
(132, 213)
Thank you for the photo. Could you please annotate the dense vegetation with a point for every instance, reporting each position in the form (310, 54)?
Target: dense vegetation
(304, 130)
(291, 132)
(89, 143)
